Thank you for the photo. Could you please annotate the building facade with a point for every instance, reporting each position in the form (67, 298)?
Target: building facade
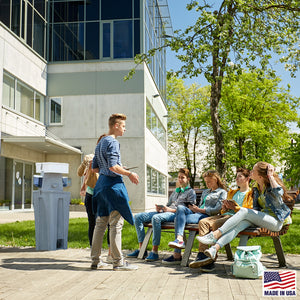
(62, 69)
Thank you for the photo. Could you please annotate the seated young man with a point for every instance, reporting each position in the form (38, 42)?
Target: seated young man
(242, 197)
(183, 194)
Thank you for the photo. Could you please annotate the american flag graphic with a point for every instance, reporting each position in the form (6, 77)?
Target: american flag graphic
(280, 280)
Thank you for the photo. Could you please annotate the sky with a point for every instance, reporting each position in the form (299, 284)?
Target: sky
(181, 18)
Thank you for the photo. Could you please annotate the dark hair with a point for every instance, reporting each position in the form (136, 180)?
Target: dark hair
(262, 170)
(184, 171)
(245, 172)
(116, 118)
(215, 174)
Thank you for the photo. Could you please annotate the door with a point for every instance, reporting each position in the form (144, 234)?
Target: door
(22, 183)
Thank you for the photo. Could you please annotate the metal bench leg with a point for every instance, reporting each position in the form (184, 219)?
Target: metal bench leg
(228, 252)
(188, 248)
(145, 243)
(279, 251)
(244, 240)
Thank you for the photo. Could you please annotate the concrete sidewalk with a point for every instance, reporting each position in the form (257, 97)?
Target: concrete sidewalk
(65, 274)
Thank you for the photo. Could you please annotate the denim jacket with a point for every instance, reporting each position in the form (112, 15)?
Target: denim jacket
(274, 201)
(189, 195)
(213, 201)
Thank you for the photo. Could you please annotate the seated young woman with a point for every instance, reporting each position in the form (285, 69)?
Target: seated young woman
(236, 198)
(269, 210)
(163, 213)
(210, 204)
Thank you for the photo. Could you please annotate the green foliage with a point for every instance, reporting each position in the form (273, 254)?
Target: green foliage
(76, 201)
(254, 114)
(188, 109)
(292, 161)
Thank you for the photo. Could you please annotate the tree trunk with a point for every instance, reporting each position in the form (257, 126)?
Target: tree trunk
(218, 135)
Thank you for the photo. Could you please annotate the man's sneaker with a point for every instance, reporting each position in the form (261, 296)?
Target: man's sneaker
(200, 260)
(109, 259)
(101, 264)
(177, 244)
(207, 239)
(172, 260)
(211, 252)
(94, 267)
(136, 253)
(208, 268)
(125, 267)
(152, 257)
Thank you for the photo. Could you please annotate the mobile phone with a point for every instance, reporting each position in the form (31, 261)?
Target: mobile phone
(187, 204)
(160, 206)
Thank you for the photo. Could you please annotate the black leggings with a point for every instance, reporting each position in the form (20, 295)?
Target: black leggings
(92, 218)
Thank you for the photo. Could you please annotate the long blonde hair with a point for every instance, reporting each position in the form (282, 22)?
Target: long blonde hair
(262, 170)
(216, 175)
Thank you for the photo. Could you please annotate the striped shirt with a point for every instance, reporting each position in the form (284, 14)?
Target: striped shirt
(107, 155)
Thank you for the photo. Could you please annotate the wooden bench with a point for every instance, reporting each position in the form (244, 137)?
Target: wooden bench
(250, 232)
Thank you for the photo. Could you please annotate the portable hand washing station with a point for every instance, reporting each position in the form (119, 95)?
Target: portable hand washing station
(51, 207)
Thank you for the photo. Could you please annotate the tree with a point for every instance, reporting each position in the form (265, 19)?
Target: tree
(238, 33)
(292, 160)
(255, 112)
(188, 119)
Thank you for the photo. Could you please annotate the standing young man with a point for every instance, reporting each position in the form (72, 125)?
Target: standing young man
(110, 200)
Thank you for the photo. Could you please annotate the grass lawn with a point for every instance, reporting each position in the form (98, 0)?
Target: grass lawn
(20, 234)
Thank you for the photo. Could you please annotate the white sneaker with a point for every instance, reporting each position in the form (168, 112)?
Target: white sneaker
(207, 239)
(125, 267)
(211, 252)
(109, 259)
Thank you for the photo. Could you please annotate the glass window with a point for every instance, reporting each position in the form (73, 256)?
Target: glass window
(6, 177)
(106, 40)
(29, 25)
(39, 34)
(15, 18)
(92, 10)
(8, 92)
(5, 12)
(25, 100)
(92, 40)
(39, 113)
(123, 39)
(156, 182)
(55, 110)
(117, 9)
(136, 37)
(75, 39)
(39, 5)
(136, 8)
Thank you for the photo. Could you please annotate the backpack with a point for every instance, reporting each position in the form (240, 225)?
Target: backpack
(247, 262)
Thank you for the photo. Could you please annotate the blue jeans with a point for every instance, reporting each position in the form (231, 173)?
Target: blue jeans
(156, 219)
(244, 218)
(185, 216)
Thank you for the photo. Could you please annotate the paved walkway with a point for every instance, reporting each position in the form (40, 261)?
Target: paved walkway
(65, 274)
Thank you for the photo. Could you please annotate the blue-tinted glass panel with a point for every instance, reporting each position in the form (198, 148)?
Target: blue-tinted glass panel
(40, 5)
(68, 11)
(29, 25)
(137, 8)
(58, 42)
(23, 20)
(136, 37)
(15, 18)
(92, 10)
(106, 40)
(92, 40)
(123, 39)
(38, 34)
(117, 9)
(5, 12)
(75, 39)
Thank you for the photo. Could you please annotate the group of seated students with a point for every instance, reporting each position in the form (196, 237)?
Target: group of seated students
(221, 215)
